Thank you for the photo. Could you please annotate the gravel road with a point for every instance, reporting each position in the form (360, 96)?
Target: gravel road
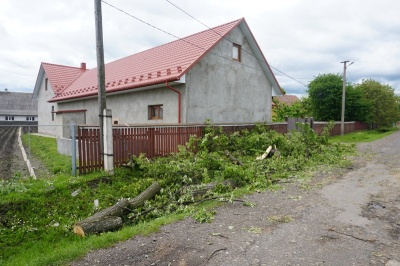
(341, 217)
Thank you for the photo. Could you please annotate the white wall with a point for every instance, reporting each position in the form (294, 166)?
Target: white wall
(46, 124)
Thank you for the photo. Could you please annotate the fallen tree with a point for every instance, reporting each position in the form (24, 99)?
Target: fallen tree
(111, 218)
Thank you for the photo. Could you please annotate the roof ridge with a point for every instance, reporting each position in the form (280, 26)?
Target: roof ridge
(61, 65)
(186, 37)
(194, 47)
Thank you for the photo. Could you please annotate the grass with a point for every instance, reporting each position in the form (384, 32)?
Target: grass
(37, 216)
(363, 136)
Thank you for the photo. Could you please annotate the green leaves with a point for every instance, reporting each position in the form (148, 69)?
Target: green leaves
(369, 101)
(384, 103)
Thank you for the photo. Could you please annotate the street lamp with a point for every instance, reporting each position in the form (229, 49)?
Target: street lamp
(343, 96)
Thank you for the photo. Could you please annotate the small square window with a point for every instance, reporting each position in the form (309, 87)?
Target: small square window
(236, 52)
(155, 112)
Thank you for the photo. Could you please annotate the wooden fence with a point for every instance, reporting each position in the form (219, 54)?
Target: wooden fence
(152, 141)
(156, 141)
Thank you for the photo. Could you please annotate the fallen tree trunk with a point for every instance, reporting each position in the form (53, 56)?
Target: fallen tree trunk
(150, 192)
(111, 218)
(97, 225)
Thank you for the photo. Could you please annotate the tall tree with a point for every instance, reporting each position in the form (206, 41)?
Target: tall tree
(325, 99)
(325, 93)
(385, 103)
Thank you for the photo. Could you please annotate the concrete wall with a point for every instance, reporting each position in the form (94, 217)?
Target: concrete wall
(68, 119)
(132, 107)
(227, 91)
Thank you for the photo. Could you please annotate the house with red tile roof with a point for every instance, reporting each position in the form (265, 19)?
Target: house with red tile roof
(218, 74)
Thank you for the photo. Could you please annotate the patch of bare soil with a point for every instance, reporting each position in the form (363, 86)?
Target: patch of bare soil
(12, 163)
(11, 160)
(341, 217)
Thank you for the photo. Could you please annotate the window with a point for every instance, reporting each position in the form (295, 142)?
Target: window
(115, 121)
(46, 81)
(236, 52)
(52, 113)
(9, 118)
(30, 118)
(155, 112)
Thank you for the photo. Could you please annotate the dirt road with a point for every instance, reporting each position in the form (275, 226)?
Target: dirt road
(341, 217)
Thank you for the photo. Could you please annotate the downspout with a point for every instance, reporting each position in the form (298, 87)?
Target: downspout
(179, 100)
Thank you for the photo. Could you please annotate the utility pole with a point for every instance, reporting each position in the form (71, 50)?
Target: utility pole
(343, 98)
(100, 69)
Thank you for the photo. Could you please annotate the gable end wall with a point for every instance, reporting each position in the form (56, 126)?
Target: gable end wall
(227, 91)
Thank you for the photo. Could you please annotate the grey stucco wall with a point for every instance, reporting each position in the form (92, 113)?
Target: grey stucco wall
(225, 90)
(132, 107)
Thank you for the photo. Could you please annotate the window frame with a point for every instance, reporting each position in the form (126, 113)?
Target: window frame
(237, 47)
(158, 111)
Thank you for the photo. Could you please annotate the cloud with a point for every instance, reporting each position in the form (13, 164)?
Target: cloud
(300, 38)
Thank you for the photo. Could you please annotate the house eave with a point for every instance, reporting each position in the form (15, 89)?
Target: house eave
(122, 90)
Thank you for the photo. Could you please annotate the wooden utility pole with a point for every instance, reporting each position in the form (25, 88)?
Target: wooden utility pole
(100, 69)
(343, 98)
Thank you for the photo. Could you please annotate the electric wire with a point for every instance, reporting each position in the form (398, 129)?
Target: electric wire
(181, 39)
(259, 59)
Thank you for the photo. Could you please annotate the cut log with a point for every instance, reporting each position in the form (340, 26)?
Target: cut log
(111, 218)
(97, 225)
(118, 209)
(150, 192)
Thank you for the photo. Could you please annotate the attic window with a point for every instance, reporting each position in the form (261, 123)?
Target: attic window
(236, 52)
(46, 81)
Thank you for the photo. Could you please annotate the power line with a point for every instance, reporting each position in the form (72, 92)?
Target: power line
(181, 39)
(200, 47)
(259, 59)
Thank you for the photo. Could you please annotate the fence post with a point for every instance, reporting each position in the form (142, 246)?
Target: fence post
(73, 148)
(108, 141)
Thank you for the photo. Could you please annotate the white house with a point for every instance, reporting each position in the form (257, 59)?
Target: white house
(218, 74)
(17, 108)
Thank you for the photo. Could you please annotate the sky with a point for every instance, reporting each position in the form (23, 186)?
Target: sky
(300, 39)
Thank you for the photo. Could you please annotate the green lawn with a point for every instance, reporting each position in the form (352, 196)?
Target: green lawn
(363, 136)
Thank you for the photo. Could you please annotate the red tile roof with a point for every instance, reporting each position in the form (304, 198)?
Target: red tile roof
(168, 62)
(61, 76)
